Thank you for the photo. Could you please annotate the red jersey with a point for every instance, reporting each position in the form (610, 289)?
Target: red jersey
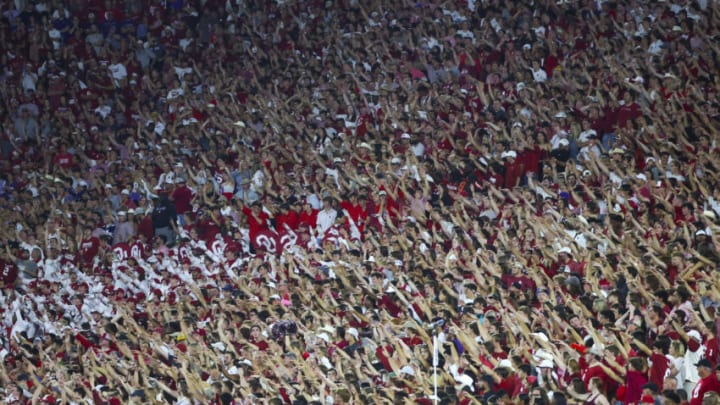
(291, 219)
(182, 197)
(8, 272)
(707, 384)
(121, 251)
(255, 223)
(89, 249)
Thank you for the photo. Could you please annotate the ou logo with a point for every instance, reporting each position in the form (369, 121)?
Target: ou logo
(266, 241)
(288, 240)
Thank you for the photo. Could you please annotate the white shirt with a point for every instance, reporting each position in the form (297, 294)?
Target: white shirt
(118, 71)
(656, 47)
(325, 219)
(539, 75)
(584, 135)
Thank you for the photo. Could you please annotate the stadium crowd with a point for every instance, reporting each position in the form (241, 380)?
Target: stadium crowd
(355, 202)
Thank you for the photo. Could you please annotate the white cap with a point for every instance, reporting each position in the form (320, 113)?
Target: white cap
(405, 135)
(396, 160)
(465, 381)
(546, 364)
(541, 336)
(565, 249)
(641, 176)
(218, 345)
(407, 370)
(564, 142)
(506, 363)
(364, 145)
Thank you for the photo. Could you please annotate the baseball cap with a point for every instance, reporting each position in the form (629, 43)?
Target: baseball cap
(704, 363)
(651, 386)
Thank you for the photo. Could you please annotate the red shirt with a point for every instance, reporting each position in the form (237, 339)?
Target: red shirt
(659, 366)
(182, 196)
(634, 381)
(64, 160)
(707, 384)
(291, 219)
(89, 249)
(8, 272)
(356, 212)
(711, 350)
(255, 223)
(307, 218)
(513, 172)
(145, 228)
(121, 250)
(511, 385)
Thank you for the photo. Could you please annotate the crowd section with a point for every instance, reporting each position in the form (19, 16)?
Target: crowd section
(359, 202)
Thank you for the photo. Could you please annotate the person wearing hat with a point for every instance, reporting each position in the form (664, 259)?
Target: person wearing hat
(708, 382)
(403, 145)
(514, 169)
(362, 155)
(124, 229)
(704, 245)
(566, 264)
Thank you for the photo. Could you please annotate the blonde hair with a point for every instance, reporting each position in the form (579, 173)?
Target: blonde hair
(678, 347)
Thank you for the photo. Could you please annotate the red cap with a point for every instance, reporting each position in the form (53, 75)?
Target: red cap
(578, 348)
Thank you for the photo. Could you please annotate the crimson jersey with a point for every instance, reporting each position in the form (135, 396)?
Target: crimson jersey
(138, 250)
(8, 272)
(121, 251)
(184, 251)
(89, 249)
(217, 246)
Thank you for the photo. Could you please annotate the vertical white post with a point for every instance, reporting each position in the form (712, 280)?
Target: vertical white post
(435, 364)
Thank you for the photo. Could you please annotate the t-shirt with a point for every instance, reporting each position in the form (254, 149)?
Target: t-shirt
(704, 385)
(8, 272)
(89, 248)
(660, 364)
(182, 196)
